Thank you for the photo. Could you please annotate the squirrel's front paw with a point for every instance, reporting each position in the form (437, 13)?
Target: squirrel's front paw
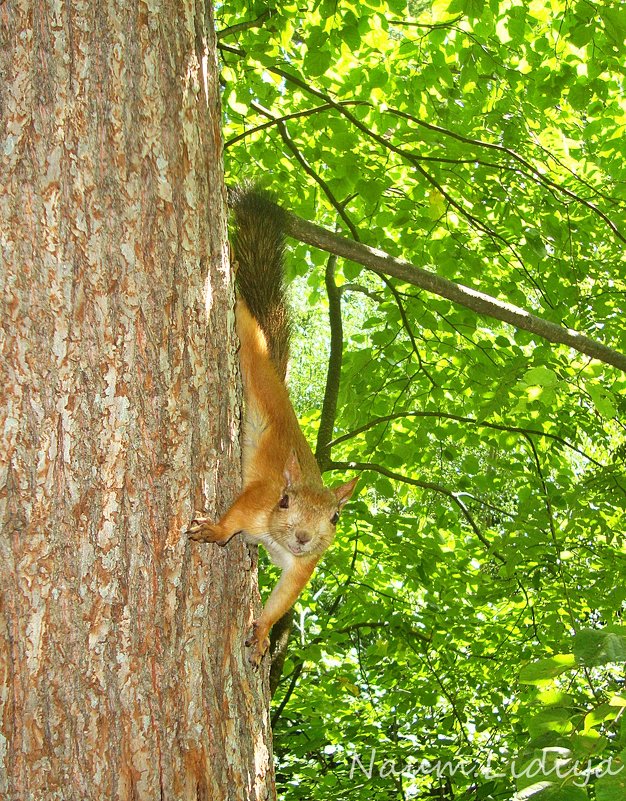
(201, 529)
(258, 642)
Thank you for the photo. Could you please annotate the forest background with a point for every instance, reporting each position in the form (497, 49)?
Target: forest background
(463, 639)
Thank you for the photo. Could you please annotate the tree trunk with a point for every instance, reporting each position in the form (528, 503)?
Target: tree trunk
(123, 671)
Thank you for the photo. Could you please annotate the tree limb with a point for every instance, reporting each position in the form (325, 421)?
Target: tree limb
(455, 497)
(295, 675)
(294, 116)
(279, 642)
(383, 264)
(462, 419)
(333, 375)
(243, 26)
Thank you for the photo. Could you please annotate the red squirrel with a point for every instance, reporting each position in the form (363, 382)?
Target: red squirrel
(284, 504)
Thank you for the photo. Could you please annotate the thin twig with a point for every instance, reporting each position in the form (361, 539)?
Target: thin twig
(455, 497)
(461, 419)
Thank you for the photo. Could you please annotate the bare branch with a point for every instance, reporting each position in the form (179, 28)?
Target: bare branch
(455, 497)
(244, 26)
(383, 624)
(370, 293)
(383, 264)
(407, 327)
(333, 375)
(309, 112)
(461, 419)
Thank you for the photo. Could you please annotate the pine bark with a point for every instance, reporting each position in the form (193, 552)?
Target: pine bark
(123, 672)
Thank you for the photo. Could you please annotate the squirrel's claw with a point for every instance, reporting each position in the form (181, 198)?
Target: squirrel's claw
(202, 530)
(258, 646)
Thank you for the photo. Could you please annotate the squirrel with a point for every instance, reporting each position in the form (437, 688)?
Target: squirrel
(284, 504)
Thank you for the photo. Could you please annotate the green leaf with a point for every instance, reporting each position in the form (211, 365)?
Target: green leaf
(594, 647)
(541, 377)
(552, 719)
(602, 400)
(470, 8)
(600, 715)
(545, 670)
(317, 61)
(614, 19)
(612, 787)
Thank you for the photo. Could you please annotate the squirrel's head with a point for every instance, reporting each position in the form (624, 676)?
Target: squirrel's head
(304, 518)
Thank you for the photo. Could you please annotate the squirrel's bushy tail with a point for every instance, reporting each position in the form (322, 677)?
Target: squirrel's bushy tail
(259, 245)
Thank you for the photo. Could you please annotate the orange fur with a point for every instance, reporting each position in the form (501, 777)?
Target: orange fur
(278, 464)
(283, 505)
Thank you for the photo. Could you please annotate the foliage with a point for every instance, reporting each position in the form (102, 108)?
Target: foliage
(470, 613)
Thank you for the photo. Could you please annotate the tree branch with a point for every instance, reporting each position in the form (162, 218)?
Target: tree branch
(455, 497)
(295, 675)
(370, 293)
(407, 327)
(244, 26)
(290, 144)
(412, 158)
(279, 642)
(309, 112)
(383, 264)
(383, 624)
(510, 153)
(333, 374)
(461, 419)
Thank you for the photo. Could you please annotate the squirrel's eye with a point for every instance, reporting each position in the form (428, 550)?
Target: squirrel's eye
(334, 518)
(284, 502)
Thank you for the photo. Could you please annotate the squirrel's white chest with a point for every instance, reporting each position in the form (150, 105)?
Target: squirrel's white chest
(279, 556)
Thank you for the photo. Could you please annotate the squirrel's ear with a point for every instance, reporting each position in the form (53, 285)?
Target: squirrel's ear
(292, 471)
(344, 491)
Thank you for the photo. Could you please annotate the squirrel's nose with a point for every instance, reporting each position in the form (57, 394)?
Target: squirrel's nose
(303, 537)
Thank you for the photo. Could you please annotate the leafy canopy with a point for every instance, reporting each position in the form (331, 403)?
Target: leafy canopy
(471, 611)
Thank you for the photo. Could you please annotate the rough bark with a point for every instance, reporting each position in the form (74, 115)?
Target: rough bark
(123, 673)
